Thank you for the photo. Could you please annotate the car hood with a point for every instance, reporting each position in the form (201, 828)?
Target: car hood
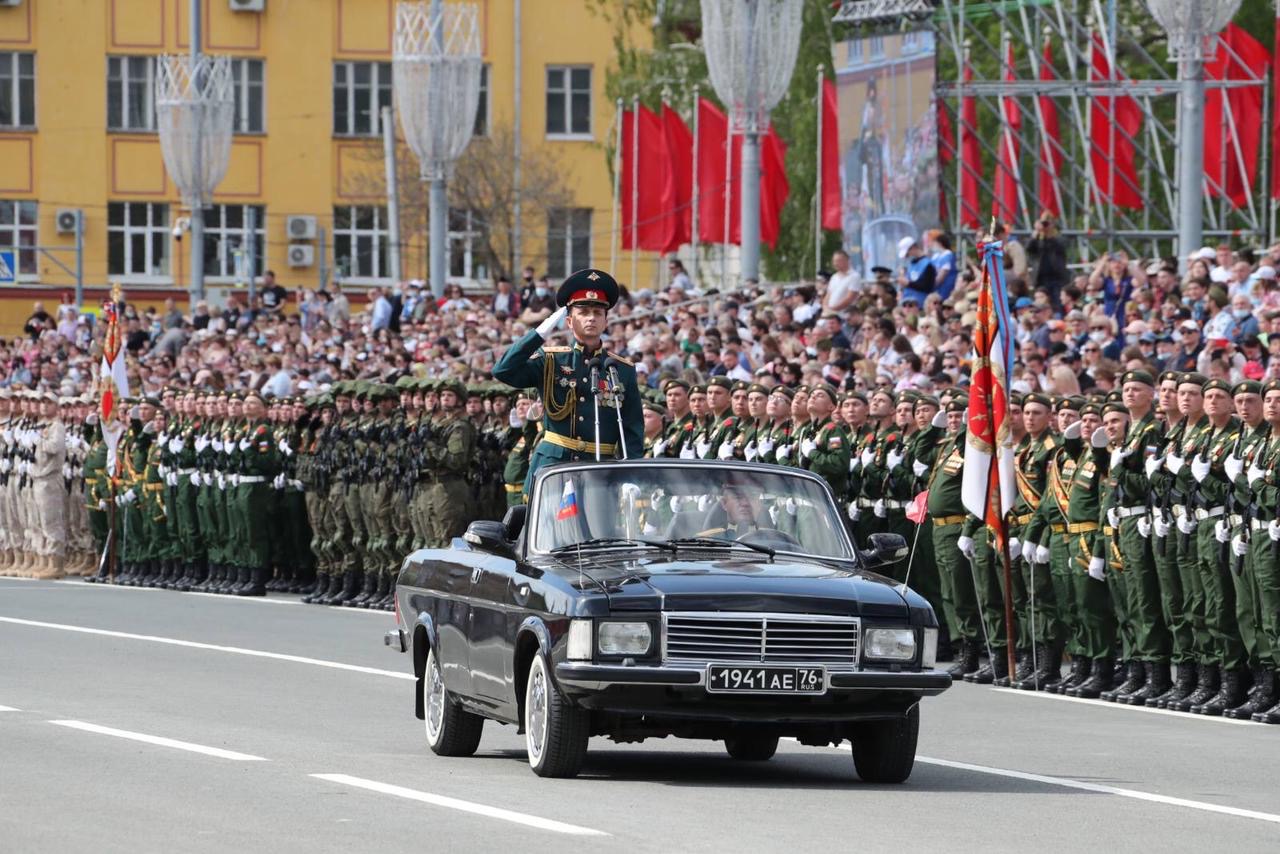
(741, 583)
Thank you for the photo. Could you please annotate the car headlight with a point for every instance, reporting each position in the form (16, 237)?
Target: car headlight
(890, 644)
(579, 640)
(617, 638)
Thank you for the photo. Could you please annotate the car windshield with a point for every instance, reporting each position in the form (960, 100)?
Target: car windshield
(697, 507)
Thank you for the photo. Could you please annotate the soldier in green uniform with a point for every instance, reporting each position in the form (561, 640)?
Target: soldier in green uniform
(564, 377)
(654, 423)
(448, 460)
(825, 451)
(529, 413)
(314, 476)
(723, 422)
(257, 463)
(683, 422)
(1263, 567)
(920, 448)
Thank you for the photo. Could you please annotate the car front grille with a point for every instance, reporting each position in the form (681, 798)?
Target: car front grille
(729, 637)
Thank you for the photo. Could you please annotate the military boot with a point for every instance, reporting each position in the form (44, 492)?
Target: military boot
(349, 590)
(1025, 665)
(1158, 682)
(382, 595)
(244, 580)
(322, 582)
(1269, 716)
(230, 578)
(1135, 678)
(255, 584)
(1183, 684)
(1262, 698)
(1099, 681)
(1230, 694)
(1081, 667)
(1036, 679)
(1000, 670)
(367, 590)
(1206, 687)
(332, 591)
(966, 661)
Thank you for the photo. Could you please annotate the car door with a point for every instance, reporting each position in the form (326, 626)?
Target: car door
(451, 583)
(492, 633)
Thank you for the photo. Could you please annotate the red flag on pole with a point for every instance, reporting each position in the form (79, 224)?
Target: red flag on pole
(918, 509)
(774, 187)
(713, 130)
(1113, 125)
(1004, 202)
(1232, 136)
(655, 184)
(680, 154)
(830, 158)
(1051, 136)
(970, 157)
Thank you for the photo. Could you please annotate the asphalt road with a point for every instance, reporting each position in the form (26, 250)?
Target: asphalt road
(140, 720)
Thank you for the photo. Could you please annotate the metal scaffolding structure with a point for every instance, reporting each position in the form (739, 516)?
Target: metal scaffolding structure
(974, 36)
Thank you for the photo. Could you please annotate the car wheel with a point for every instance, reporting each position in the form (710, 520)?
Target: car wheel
(451, 729)
(752, 748)
(885, 751)
(555, 731)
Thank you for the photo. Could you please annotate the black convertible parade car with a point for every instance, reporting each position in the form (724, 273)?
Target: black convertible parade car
(648, 598)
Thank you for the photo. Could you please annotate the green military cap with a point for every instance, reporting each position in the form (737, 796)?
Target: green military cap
(1247, 387)
(675, 382)
(454, 385)
(722, 382)
(1169, 376)
(697, 389)
(1091, 409)
(501, 391)
(253, 393)
(784, 391)
(474, 391)
(1193, 379)
(1219, 385)
(1143, 377)
(858, 395)
(1272, 385)
(324, 401)
(887, 392)
(588, 287)
(406, 382)
(909, 396)
(526, 394)
(1036, 397)
(1114, 397)
(927, 400)
(1017, 399)
(756, 388)
(958, 404)
(151, 400)
(1114, 406)
(655, 407)
(741, 385)
(802, 388)
(1069, 404)
(824, 388)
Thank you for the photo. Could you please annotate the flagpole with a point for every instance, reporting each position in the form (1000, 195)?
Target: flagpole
(817, 195)
(635, 188)
(1002, 537)
(728, 184)
(693, 214)
(617, 187)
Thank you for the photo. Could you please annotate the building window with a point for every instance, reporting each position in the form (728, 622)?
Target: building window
(226, 241)
(17, 90)
(877, 46)
(250, 88)
(131, 86)
(18, 231)
(482, 106)
(568, 101)
(360, 240)
(467, 254)
(360, 91)
(137, 239)
(568, 241)
(855, 50)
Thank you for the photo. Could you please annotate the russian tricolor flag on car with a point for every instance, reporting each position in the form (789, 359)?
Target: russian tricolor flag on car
(568, 502)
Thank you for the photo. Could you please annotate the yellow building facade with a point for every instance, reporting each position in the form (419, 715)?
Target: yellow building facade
(78, 139)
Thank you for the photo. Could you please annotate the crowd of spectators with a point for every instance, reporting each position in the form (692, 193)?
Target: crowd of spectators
(1077, 328)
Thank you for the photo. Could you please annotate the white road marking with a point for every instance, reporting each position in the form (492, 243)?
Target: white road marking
(462, 806)
(262, 600)
(1103, 704)
(9, 709)
(1068, 783)
(161, 741)
(255, 653)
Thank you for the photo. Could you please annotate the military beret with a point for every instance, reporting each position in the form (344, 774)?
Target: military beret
(1272, 385)
(588, 287)
(1247, 387)
(826, 389)
(1193, 379)
(655, 407)
(1218, 385)
(783, 391)
(675, 382)
(1114, 406)
(1137, 377)
(1036, 397)
(722, 382)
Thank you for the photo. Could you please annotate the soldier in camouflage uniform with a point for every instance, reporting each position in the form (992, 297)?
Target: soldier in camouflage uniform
(449, 459)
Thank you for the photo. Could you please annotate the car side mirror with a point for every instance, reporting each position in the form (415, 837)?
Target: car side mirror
(884, 549)
(490, 535)
(513, 522)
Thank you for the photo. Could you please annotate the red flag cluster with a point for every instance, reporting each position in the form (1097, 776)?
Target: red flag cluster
(1233, 136)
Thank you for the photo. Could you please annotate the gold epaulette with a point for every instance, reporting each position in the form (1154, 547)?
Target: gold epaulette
(555, 349)
(623, 359)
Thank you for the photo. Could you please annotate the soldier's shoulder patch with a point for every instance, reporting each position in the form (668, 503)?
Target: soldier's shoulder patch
(835, 441)
(620, 358)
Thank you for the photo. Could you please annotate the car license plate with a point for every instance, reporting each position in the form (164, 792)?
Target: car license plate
(730, 679)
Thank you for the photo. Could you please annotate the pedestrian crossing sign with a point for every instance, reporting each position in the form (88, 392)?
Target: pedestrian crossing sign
(8, 267)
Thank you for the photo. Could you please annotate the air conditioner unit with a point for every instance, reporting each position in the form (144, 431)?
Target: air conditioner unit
(248, 5)
(301, 227)
(68, 220)
(302, 255)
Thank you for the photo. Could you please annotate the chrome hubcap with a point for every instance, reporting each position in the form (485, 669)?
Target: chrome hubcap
(435, 701)
(536, 704)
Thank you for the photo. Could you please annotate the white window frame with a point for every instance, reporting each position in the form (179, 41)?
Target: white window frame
(9, 66)
(484, 106)
(229, 240)
(381, 243)
(856, 50)
(125, 61)
(377, 70)
(240, 77)
(473, 270)
(566, 93)
(876, 46)
(155, 227)
(11, 236)
(567, 235)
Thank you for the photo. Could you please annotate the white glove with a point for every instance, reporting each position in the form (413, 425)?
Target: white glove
(687, 453)
(1073, 430)
(1042, 555)
(659, 447)
(1255, 474)
(918, 468)
(1239, 547)
(965, 544)
(130, 497)
(1119, 455)
(726, 451)
(216, 444)
(102, 504)
(807, 447)
(791, 506)
(893, 459)
(1144, 527)
(1152, 465)
(1233, 466)
(176, 445)
(783, 454)
(194, 480)
(1186, 524)
(1200, 468)
(750, 452)
(1173, 463)
(162, 469)
(879, 509)
(1161, 526)
(66, 471)
(201, 444)
(546, 327)
(284, 448)
(703, 449)
(764, 446)
(1113, 517)
(1273, 530)
(1099, 438)
(278, 483)
(150, 428)
(675, 504)
(1221, 532)
(855, 512)
(1098, 569)
(704, 501)
(939, 419)
(244, 444)
(1015, 547)
(163, 438)
(514, 420)
(867, 456)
